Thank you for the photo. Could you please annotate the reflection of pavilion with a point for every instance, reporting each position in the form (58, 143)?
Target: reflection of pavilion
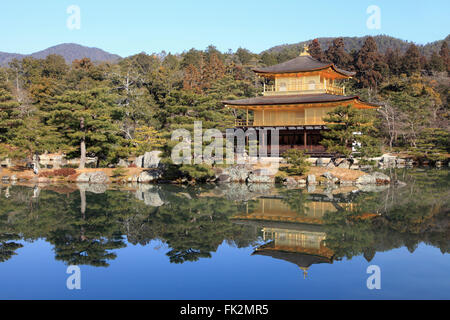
(290, 235)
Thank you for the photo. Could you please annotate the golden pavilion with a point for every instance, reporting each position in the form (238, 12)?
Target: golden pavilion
(297, 95)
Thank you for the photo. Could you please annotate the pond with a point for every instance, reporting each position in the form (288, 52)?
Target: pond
(229, 241)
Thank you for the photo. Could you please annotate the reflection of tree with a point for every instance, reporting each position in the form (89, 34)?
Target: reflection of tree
(89, 234)
(8, 247)
(296, 199)
(86, 228)
(192, 227)
(410, 215)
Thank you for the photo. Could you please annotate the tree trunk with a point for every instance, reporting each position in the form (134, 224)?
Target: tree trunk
(83, 154)
(82, 147)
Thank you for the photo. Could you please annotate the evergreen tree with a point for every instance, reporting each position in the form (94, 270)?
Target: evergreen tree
(411, 60)
(316, 51)
(393, 60)
(89, 120)
(336, 54)
(349, 127)
(370, 65)
(436, 62)
(10, 116)
(445, 55)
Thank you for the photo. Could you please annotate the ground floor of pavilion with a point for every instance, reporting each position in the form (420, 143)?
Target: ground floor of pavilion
(305, 138)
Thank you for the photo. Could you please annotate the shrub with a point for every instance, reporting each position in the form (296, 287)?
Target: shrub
(119, 172)
(200, 172)
(280, 176)
(296, 159)
(63, 172)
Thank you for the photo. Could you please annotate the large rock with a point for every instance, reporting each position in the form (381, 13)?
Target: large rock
(289, 181)
(311, 179)
(138, 162)
(149, 176)
(123, 163)
(381, 178)
(83, 177)
(238, 173)
(373, 178)
(366, 179)
(330, 177)
(260, 178)
(223, 178)
(330, 165)
(344, 164)
(320, 162)
(98, 177)
(93, 177)
(151, 159)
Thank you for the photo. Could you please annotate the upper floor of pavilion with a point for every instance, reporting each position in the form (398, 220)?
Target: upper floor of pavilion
(303, 75)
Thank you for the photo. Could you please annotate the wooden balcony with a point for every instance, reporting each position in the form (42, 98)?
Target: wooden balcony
(243, 123)
(271, 90)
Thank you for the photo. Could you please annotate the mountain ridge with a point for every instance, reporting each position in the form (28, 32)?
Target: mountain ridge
(69, 51)
(355, 43)
(73, 51)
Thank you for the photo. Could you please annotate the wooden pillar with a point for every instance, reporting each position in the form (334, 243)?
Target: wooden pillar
(247, 117)
(305, 140)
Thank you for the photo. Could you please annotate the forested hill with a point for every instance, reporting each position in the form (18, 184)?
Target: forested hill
(355, 43)
(69, 51)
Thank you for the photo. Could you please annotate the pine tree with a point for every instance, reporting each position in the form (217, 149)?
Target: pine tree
(411, 60)
(10, 117)
(336, 54)
(348, 125)
(445, 55)
(436, 62)
(370, 65)
(316, 51)
(89, 120)
(393, 60)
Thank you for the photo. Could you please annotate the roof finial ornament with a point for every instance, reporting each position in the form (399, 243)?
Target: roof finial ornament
(305, 51)
(305, 272)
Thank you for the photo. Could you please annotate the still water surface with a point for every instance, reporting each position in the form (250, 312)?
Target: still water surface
(227, 241)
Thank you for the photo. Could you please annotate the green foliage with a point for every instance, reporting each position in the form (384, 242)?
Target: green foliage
(88, 116)
(349, 125)
(433, 144)
(199, 172)
(296, 160)
(119, 172)
(44, 102)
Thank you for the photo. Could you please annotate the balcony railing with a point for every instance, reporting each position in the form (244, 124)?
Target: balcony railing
(243, 123)
(270, 90)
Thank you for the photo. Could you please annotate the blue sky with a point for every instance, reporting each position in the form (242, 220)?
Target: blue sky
(133, 26)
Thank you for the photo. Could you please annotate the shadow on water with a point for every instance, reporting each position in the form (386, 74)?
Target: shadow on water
(87, 224)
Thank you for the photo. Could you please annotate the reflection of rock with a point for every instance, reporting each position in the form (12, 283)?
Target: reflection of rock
(149, 194)
(372, 187)
(243, 192)
(93, 177)
(94, 188)
(43, 180)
